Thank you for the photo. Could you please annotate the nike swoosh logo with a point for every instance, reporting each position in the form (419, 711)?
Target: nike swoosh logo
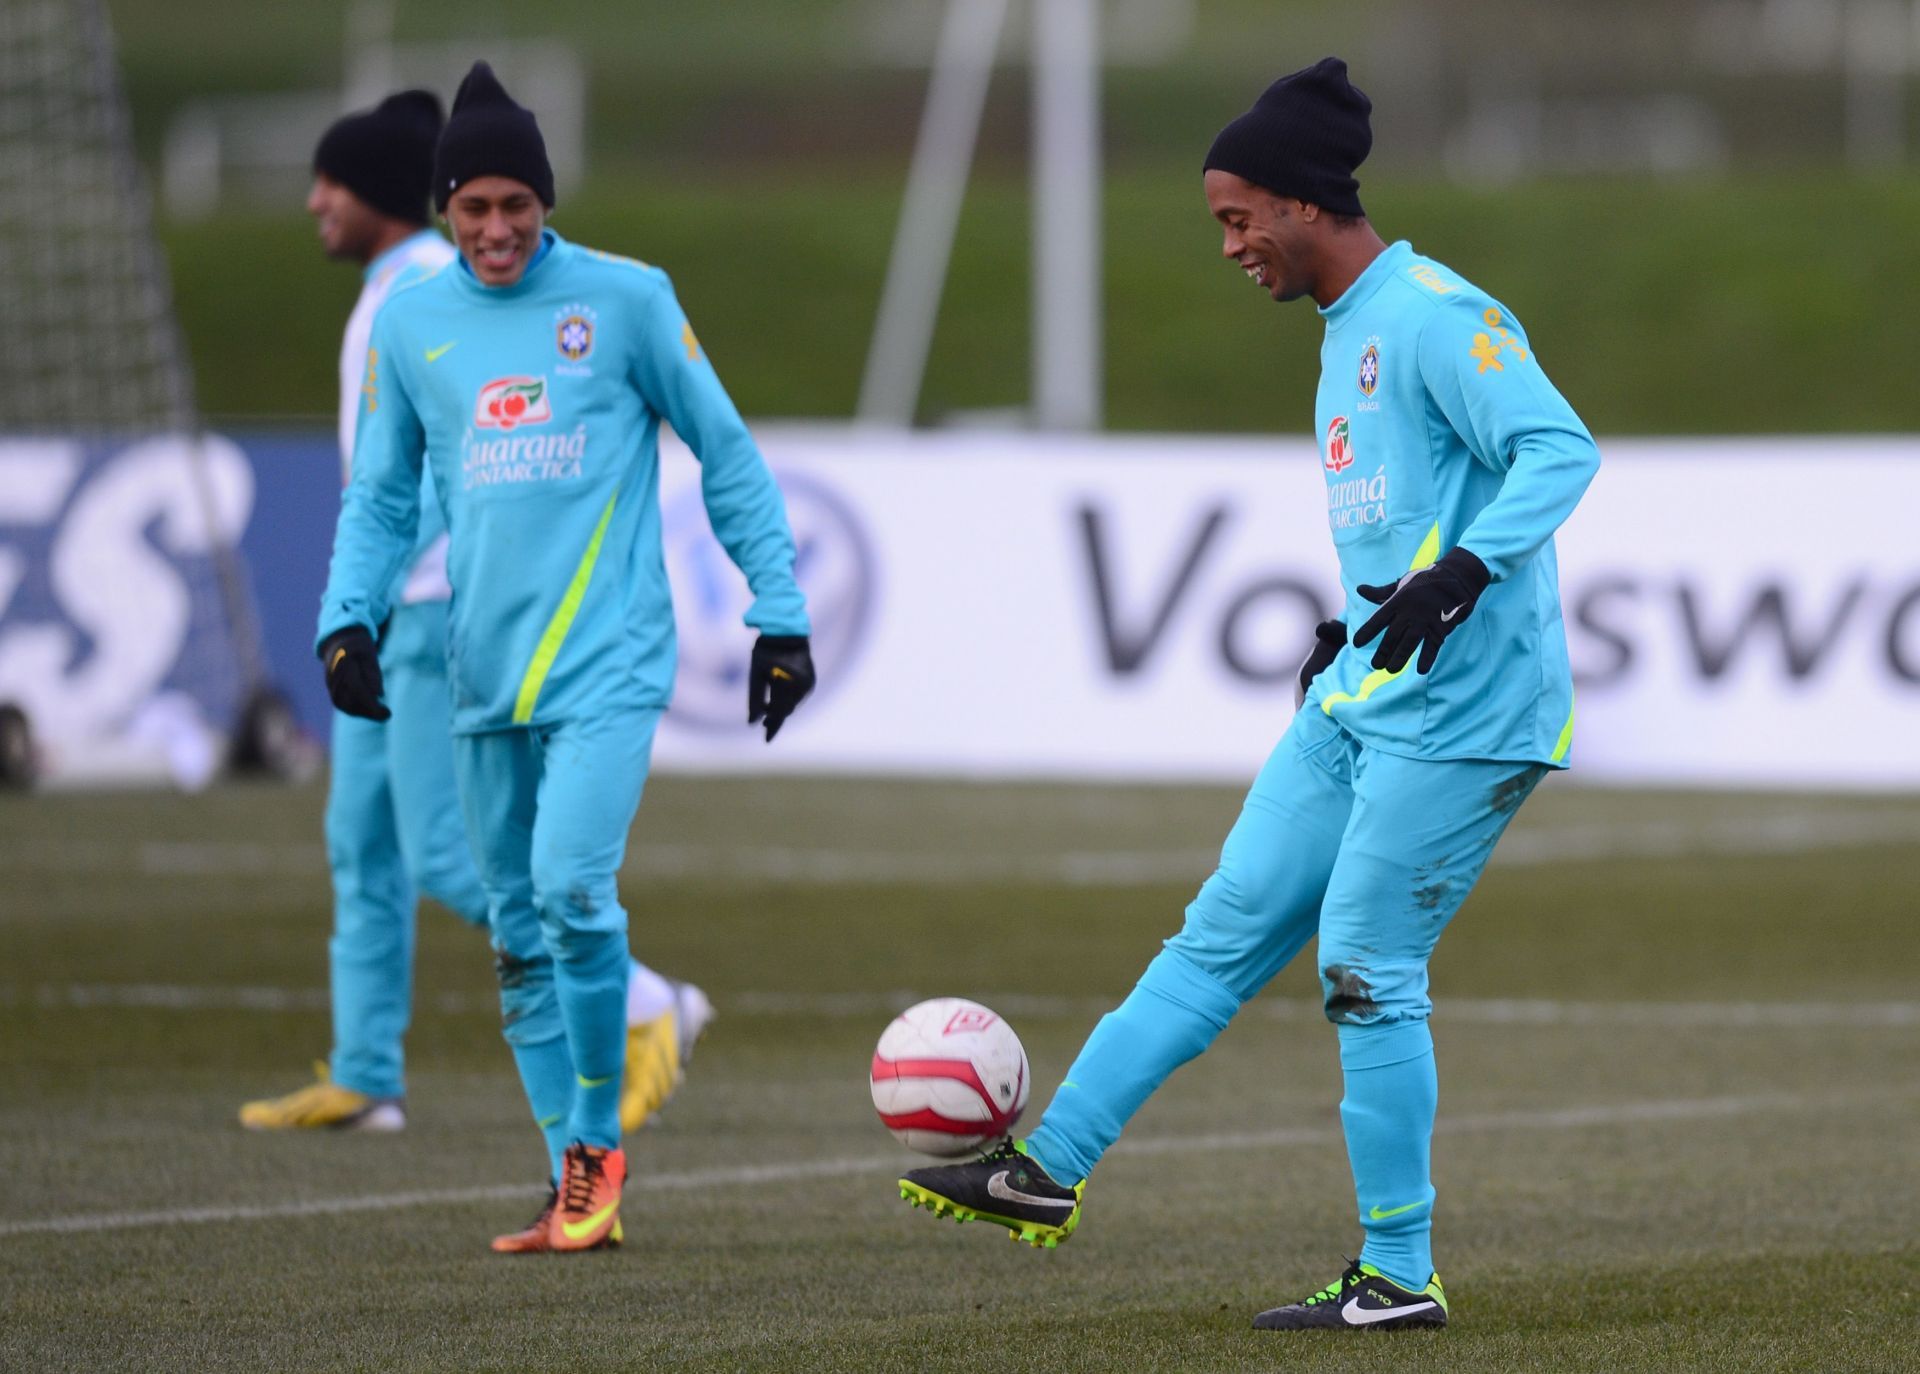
(573, 1230)
(1367, 1316)
(998, 1186)
(1377, 1215)
(586, 1082)
(435, 354)
(1446, 617)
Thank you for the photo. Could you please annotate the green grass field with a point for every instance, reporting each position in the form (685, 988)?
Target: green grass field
(1680, 1060)
(1667, 332)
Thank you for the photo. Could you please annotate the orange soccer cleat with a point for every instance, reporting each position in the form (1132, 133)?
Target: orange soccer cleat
(532, 1240)
(586, 1213)
(537, 1238)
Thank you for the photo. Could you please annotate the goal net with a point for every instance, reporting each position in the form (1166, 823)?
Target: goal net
(128, 644)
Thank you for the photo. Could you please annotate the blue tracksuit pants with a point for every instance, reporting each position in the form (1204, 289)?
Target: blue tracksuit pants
(393, 830)
(1373, 853)
(548, 809)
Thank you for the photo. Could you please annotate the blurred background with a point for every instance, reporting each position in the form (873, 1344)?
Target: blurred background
(982, 218)
(1701, 208)
(971, 231)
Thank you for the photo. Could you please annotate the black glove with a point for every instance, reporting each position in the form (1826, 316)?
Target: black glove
(353, 673)
(1422, 609)
(778, 680)
(1329, 638)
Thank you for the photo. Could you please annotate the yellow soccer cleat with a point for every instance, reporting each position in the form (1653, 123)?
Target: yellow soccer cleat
(657, 1055)
(325, 1105)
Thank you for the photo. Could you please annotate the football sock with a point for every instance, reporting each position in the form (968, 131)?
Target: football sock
(1172, 1014)
(649, 996)
(546, 1072)
(1392, 1091)
(590, 972)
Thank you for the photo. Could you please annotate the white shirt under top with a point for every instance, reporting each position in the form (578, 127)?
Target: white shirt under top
(411, 258)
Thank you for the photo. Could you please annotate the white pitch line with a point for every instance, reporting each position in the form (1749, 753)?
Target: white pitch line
(1486, 1011)
(1581, 1117)
(1528, 846)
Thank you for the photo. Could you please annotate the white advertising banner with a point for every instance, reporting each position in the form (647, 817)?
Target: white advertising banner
(1740, 613)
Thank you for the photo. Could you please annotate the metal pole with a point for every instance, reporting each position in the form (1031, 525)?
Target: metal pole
(1067, 359)
(1874, 66)
(930, 214)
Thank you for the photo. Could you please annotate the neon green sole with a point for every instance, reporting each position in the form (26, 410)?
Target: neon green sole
(1037, 1234)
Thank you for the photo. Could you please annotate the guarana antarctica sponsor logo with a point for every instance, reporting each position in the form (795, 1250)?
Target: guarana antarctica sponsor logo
(1339, 445)
(508, 402)
(1358, 501)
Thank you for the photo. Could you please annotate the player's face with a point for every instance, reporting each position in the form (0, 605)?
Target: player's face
(1265, 234)
(349, 227)
(496, 223)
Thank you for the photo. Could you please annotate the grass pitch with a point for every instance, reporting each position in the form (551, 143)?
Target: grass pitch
(1679, 1041)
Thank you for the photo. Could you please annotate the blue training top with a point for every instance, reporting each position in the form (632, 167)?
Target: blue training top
(537, 407)
(1438, 428)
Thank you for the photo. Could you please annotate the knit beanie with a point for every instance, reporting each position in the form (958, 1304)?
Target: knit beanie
(385, 155)
(489, 135)
(1303, 138)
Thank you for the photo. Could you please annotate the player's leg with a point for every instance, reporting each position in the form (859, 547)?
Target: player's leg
(592, 772)
(1250, 918)
(1419, 837)
(664, 1015)
(426, 795)
(499, 778)
(370, 956)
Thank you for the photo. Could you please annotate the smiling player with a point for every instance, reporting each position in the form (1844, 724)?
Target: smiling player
(1449, 461)
(530, 379)
(393, 823)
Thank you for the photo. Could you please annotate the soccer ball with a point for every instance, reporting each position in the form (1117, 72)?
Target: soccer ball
(949, 1076)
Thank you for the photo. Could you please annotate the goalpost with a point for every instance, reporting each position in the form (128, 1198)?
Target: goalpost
(1066, 385)
(128, 640)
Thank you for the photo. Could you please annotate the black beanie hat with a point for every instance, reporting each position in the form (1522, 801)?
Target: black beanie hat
(1303, 137)
(385, 155)
(488, 135)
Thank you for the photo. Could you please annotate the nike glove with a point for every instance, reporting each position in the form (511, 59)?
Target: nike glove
(1329, 638)
(778, 680)
(353, 673)
(1422, 609)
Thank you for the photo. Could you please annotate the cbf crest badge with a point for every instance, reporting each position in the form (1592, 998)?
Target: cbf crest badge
(573, 332)
(1369, 369)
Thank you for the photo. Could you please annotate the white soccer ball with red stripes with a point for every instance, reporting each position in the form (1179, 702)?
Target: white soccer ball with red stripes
(949, 1076)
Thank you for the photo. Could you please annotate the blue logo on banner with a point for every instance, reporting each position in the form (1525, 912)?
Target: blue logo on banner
(113, 623)
(834, 566)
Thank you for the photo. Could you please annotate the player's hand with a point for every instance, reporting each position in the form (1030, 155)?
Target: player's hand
(1329, 638)
(779, 679)
(353, 673)
(1422, 609)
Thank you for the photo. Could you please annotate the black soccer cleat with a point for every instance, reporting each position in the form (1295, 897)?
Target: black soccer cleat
(1362, 1299)
(1007, 1186)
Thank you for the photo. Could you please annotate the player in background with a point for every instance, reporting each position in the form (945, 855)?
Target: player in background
(530, 379)
(393, 814)
(1449, 462)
